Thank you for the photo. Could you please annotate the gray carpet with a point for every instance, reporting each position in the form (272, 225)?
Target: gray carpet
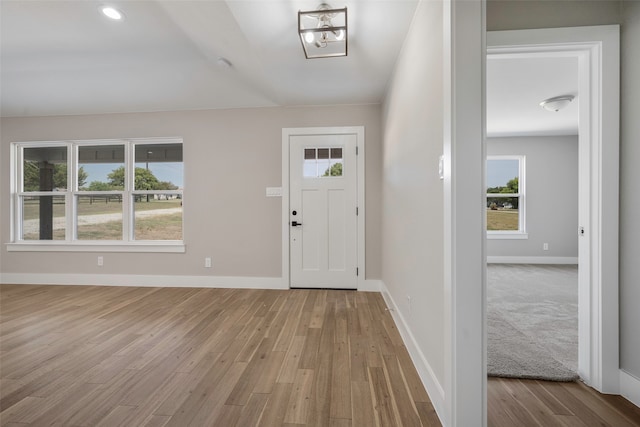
(532, 321)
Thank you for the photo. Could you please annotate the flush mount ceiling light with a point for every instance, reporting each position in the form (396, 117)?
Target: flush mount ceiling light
(557, 103)
(223, 63)
(323, 32)
(112, 12)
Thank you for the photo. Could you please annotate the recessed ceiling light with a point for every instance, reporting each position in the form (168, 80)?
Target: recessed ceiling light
(112, 12)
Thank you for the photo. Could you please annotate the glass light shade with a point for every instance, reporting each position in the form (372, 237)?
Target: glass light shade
(557, 103)
(323, 32)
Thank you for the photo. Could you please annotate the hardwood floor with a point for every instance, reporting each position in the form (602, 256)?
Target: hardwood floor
(513, 402)
(113, 356)
(110, 356)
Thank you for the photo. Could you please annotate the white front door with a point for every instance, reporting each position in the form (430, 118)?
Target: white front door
(323, 221)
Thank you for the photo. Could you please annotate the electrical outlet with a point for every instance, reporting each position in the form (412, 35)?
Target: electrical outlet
(100, 261)
(545, 246)
(207, 262)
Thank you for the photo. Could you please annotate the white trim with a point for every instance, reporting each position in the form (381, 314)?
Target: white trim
(532, 260)
(13, 183)
(630, 388)
(46, 246)
(287, 133)
(145, 280)
(465, 366)
(103, 141)
(425, 372)
(161, 281)
(502, 235)
(598, 52)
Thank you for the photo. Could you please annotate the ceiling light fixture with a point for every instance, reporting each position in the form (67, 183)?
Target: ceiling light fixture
(323, 32)
(223, 63)
(112, 12)
(557, 103)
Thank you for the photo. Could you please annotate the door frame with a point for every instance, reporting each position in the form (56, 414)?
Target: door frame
(598, 51)
(287, 133)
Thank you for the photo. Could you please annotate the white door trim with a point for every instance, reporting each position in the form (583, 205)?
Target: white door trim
(598, 52)
(287, 133)
(465, 381)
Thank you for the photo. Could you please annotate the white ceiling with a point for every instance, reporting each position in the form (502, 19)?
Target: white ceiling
(64, 57)
(517, 85)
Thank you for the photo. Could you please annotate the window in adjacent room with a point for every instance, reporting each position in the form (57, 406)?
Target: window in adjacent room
(98, 192)
(505, 201)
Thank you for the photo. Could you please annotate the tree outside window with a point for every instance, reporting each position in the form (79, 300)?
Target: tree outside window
(86, 184)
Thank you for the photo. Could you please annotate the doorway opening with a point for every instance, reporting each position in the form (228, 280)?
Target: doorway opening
(596, 50)
(532, 217)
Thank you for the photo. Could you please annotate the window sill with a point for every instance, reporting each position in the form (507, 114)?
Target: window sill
(506, 236)
(151, 246)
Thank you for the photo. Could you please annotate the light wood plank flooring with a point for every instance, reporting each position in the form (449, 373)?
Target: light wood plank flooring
(514, 402)
(100, 356)
(110, 356)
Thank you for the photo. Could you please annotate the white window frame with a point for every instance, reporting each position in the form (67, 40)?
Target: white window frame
(71, 194)
(521, 233)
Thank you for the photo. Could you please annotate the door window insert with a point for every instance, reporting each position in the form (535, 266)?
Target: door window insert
(323, 162)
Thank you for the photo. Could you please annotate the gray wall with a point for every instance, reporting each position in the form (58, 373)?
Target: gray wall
(524, 14)
(630, 192)
(230, 157)
(413, 221)
(551, 196)
(514, 15)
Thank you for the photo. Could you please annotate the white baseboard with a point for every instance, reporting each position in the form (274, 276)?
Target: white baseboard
(431, 384)
(145, 280)
(369, 285)
(532, 260)
(630, 388)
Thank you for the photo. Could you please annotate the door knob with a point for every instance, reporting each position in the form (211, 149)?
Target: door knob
(295, 223)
